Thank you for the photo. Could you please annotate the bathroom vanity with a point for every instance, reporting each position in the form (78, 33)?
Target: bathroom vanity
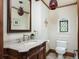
(27, 51)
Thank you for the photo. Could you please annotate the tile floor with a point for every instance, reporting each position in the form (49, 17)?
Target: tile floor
(53, 56)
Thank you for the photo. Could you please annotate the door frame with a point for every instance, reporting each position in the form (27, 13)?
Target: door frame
(78, 25)
(1, 29)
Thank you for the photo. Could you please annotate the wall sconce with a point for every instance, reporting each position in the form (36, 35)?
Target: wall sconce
(53, 4)
(46, 22)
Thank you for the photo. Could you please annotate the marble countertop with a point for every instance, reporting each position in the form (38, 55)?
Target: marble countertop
(24, 46)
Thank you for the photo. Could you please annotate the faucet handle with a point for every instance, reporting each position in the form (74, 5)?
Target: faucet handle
(25, 37)
(18, 40)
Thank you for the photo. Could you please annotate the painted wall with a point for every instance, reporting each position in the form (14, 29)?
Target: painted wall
(69, 13)
(40, 14)
(38, 9)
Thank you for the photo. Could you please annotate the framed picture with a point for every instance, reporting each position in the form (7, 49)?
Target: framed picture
(63, 26)
(18, 16)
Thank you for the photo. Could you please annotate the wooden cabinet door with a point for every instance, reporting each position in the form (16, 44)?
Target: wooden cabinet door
(42, 53)
(33, 57)
(10, 57)
(38, 52)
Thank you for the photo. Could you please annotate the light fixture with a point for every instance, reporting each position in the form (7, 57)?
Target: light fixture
(53, 4)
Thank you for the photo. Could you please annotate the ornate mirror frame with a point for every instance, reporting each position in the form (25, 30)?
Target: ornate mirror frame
(14, 25)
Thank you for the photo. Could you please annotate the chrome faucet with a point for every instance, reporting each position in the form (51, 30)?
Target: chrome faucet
(25, 37)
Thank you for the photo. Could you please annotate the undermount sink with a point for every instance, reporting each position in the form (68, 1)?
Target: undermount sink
(29, 42)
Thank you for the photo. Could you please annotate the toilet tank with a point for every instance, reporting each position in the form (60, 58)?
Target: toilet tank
(61, 43)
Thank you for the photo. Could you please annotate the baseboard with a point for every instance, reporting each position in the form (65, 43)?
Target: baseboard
(51, 51)
(54, 51)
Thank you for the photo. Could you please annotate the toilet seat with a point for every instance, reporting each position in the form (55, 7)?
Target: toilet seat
(60, 50)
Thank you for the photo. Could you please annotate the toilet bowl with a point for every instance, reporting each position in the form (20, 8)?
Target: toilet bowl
(61, 48)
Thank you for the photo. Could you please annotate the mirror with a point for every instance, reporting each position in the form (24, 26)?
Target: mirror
(19, 16)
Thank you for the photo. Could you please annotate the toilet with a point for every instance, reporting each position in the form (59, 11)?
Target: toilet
(61, 48)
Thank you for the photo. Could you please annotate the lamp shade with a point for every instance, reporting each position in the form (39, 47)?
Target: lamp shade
(53, 4)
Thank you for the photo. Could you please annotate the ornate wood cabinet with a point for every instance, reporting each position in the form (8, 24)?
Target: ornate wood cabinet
(38, 52)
